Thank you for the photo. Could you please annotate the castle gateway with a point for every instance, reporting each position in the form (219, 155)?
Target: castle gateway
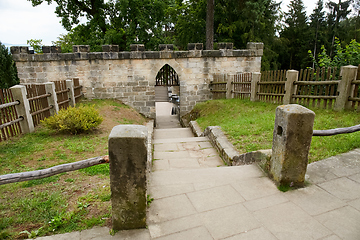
(132, 76)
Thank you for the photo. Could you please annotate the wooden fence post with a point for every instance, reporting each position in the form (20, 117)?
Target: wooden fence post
(128, 161)
(70, 86)
(291, 77)
(229, 86)
(255, 78)
(52, 99)
(23, 109)
(348, 74)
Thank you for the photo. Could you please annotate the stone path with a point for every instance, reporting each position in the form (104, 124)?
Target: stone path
(196, 197)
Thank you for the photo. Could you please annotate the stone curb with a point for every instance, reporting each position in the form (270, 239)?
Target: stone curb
(195, 128)
(227, 151)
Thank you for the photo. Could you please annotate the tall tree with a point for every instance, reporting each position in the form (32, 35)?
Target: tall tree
(70, 12)
(210, 24)
(296, 35)
(337, 12)
(318, 26)
(8, 70)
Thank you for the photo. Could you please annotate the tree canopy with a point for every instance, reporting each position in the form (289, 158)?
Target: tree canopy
(287, 36)
(8, 70)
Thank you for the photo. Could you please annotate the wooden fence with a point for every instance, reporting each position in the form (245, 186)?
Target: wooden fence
(317, 87)
(62, 94)
(77, 90)
(321, 87)
(40, 104)
(272, 86)
(355, 92)
(9, 120)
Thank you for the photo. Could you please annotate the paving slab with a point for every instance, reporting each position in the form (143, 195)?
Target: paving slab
(195, 199)
(288, 221)
(342, 188)
(255, 234)
(314, 200)
(344, 222)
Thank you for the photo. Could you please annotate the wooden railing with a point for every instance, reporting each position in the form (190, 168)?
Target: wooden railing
(317, 87)
(38, 101)
(322, 87)
(272, 86)
(39, 105)
(9, 120)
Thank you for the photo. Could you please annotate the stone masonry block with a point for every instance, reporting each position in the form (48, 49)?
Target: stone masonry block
(225, 45)
(291, 143)
(81, 48)
(128, 161)
(110, 48)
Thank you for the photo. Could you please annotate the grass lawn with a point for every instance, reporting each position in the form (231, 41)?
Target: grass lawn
(250, 125)
(68, 201)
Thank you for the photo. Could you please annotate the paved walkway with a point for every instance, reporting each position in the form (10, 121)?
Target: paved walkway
(195, 197)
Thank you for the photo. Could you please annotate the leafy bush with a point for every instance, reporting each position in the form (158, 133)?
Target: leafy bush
(74, 120)
(350, 55)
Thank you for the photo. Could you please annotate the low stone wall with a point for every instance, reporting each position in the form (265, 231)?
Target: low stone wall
(131, 76)
(227, 151)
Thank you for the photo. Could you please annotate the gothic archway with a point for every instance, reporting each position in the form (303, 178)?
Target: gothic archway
(167, 76)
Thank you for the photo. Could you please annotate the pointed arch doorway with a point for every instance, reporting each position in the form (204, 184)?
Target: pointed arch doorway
(167, 98)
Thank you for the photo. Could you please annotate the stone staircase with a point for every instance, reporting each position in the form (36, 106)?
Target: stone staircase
(161, 94)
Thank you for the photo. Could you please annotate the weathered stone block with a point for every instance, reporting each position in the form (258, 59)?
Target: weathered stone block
(19, 49)
(128, 158)
(225, 45)
(211, 53)
(166, 47)
(255, 45)
(291, 143)
(110, 48)
(81, 48)
(137, 47)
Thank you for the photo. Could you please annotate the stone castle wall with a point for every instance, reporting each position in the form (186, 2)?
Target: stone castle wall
(130, 76)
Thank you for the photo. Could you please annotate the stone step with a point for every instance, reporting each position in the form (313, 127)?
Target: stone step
(161, 94)
(172, 133)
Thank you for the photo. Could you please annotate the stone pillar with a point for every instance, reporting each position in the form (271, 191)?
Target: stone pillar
(254, 86)
(52, 99)
(291, 143)
(71, 95)
(128, 159)
(23, 109)
(348, 74)
(291, 77)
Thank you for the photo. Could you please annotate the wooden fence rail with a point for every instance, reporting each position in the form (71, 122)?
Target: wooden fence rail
(327, 88)
(9, 120)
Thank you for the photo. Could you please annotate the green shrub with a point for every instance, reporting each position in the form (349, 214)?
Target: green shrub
(74, 120)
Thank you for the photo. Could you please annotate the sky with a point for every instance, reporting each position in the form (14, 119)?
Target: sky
(20, 21)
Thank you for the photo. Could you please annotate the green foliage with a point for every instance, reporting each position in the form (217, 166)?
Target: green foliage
(36, 44)
(8, 70)
(74, 120)
(250, 125)
(350, 55)
(102, 169)
(65, 42)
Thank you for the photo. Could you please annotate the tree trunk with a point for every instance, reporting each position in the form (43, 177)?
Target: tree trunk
(210, 25)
